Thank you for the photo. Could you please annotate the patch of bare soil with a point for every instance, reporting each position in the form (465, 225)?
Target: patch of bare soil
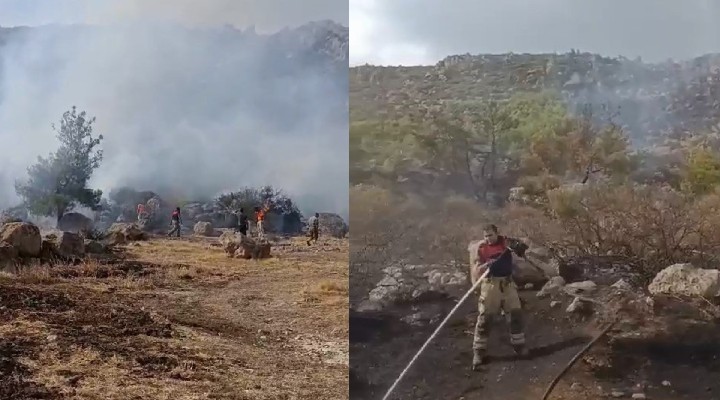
(658, 361)
(177, 319)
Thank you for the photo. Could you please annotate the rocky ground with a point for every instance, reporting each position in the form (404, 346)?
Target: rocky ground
(664, 344)
(169, 318)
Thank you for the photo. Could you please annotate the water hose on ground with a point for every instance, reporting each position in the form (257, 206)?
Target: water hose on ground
(442, 324)
(584, 350)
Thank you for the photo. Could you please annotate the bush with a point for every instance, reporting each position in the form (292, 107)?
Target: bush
(651, 226)
(249, 198)
(390, 228)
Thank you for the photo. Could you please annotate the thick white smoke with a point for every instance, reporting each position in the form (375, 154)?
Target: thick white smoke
(186, 111)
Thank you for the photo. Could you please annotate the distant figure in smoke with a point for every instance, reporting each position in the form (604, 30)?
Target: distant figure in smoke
(260, 219)
(314, 224)
(175, 222)
(242, 222)
(141, 212)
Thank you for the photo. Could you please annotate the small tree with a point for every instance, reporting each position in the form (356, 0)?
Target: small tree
(702, 173)
(58, 182)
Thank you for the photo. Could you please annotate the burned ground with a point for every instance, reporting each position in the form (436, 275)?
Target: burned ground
(666, 363)
(177, 319)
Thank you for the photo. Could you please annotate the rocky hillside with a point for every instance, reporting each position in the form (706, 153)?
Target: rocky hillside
(652, 98)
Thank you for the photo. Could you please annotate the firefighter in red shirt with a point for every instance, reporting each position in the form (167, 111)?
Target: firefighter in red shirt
(497, 292)
(175, 222)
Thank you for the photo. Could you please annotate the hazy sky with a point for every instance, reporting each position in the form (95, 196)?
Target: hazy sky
(410, 32)
(266, 15)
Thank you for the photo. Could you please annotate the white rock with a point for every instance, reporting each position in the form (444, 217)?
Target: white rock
(686, 280)
(577, 305)
(552, 286)
(622, 285)
(580, 287)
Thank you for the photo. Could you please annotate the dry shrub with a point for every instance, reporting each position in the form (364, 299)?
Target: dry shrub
(538, 185)
(457, 221)
(532, 224)
(390, 229)
(652, 226)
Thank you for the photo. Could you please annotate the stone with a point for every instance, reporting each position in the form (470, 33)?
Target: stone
(622, 285)
(23, 236)
(204, 229)
(65, 244)
(580, 288)
(122, 232)
(686, 280)
(552, 286)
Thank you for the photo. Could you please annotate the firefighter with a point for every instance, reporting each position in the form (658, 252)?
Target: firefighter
(141, 212)
(242, 222)
(314, 224)
(498, 292)
(260, 219)
(175, 222)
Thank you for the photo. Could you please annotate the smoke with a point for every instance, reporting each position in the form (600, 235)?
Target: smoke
(267, 16)
(411, 32)
(186, 111)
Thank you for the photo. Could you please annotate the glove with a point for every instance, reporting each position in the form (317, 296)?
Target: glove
(518, 247)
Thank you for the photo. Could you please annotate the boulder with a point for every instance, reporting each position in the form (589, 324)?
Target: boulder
(230, 242)
(75, 223)
(120, 233)
(204, 229)
(23, 236)
(254, 250)
(114, 238)
(8, 254)
(236, 245)
(407, 283)
(333, 225)
(94, 247)
(65, 244)
(686, 280)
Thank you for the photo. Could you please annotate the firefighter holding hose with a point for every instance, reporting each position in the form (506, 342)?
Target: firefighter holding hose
(497, 292)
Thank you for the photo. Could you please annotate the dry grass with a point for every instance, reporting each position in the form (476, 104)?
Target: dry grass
(239, 329)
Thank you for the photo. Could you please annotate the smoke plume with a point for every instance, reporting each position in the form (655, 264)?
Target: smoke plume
(188, 108)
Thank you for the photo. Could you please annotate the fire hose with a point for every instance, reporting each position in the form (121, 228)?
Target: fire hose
(427, 342)
(452, 312)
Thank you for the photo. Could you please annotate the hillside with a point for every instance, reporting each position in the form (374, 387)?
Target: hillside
(653, 98)
(617, 203)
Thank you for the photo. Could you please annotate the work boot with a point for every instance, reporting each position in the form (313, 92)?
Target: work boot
(521, 350)
(479, 359)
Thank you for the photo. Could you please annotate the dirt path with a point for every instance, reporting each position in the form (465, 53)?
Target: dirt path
(381, 347)
(179, 320)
